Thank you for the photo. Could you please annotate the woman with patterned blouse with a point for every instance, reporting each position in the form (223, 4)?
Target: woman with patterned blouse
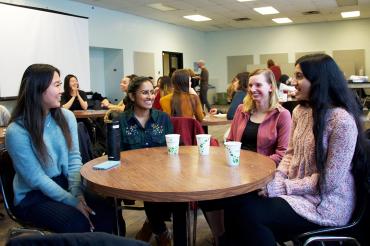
(144, 127)
(314, 185)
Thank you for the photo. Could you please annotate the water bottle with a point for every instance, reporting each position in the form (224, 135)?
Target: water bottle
(113, 140)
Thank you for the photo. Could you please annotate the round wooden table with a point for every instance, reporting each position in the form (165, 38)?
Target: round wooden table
(152, 175)
(89, 113)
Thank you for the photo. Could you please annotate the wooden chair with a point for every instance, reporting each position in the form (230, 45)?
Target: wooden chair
(7, 173)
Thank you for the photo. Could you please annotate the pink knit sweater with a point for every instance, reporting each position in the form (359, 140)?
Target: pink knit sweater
(296, 178)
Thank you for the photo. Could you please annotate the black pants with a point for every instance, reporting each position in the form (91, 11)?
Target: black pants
(56, 216)
(255, 220)
(159, 212)
(203, 97)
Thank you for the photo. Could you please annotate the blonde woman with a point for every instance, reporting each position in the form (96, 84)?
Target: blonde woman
(261, 123)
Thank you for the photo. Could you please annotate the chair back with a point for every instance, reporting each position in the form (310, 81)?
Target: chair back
(7, 174)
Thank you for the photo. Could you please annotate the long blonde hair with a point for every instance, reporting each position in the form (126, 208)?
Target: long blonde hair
(249, 104)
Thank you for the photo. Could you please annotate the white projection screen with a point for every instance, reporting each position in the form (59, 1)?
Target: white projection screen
(29, 35)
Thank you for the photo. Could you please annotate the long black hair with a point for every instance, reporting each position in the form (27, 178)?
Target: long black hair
(329, 89)
(132, 89)
(67, 87)
(29, 109)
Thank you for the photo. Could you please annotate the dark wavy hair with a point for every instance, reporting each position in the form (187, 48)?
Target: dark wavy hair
(329, 89)
(67, 88)
(29, 109)
(132, 89)
(131, 77)
(243, 81)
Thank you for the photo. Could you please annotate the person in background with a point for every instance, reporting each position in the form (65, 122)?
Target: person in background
(43, 144)
(314, 184)
(124, 83)
(165, 88)
(262, 125)
(240, 86)
(144, 127)
(194, 78)
(274, 68)
(4, 116)
(72, 97)
(204, 77)
(183, 102)
(172, 70)
(231, 89)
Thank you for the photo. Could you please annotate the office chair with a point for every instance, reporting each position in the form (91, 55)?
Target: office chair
(7, 173)
(344, 233)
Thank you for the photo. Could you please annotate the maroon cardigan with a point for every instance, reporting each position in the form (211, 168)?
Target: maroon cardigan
(273, 132)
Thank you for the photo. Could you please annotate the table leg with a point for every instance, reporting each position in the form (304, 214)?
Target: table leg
(118, 213)
(195, 224)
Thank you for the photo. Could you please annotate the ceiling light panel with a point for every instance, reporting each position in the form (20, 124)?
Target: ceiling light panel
(350, 14)
(268, 10)
(282, 20)
(161, 7)
(197, 18)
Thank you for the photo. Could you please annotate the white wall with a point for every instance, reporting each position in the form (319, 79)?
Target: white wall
(97, 75)
(113, 29)
(341, 35)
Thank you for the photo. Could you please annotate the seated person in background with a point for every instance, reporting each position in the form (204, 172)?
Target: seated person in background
(231, 89)
(183, 102)
(4, 116)
(194, 78)
(144, 127)
(314, 184)
(261, 124)
(240, 87)
(72, 97)
(124, 83)
(165, 88)
(43, 144)
(274, 68)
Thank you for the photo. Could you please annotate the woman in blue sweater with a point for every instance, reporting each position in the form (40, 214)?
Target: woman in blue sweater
(241, 85)
(43, 144)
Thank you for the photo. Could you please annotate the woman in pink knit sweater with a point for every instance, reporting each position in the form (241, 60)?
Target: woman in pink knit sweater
(314, 184)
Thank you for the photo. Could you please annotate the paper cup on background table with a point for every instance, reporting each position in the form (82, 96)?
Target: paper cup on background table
(232, 150)
(173, 141)
(203, 142)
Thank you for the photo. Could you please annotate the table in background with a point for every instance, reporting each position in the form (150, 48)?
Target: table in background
(150, 174)
(212, 120)
(80, 114)
(364, 85)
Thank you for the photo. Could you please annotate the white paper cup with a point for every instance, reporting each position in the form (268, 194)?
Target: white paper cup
(232, 150)
(173, 141)
(203, 142)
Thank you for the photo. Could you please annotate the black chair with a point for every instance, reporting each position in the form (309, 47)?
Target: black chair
(7, 173)
(347, 233)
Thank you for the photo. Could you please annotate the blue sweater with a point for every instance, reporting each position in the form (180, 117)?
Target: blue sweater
(237, 100)
(31, 175)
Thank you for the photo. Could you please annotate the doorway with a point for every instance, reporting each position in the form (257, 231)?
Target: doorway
(171, 61)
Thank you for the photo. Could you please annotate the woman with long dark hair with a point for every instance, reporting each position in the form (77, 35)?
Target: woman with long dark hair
(42, 141)
(315, 183)
(73, 98)
(183, 102)
(165, 88)
(145, 127)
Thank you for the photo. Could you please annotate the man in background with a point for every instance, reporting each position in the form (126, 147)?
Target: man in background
(204, 75)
